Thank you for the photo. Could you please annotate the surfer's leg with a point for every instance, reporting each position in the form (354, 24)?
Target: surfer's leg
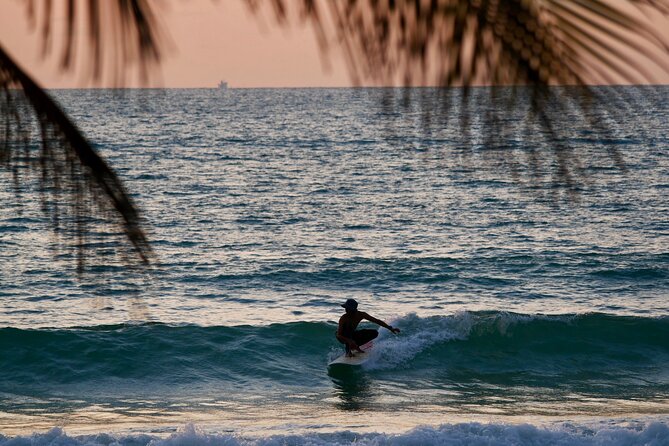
(348, 349)
(364, 336)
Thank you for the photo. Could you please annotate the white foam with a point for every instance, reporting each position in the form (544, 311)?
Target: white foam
(421, 333)
(647, 434)
(418, 334)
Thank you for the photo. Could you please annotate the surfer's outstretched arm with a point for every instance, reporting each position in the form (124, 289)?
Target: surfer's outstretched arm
(380, 322)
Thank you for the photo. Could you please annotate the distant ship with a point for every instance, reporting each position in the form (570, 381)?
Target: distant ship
(223, 85)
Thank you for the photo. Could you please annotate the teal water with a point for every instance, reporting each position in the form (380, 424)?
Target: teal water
(594, 355)
(521, 299)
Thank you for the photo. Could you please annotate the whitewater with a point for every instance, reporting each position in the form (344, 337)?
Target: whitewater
(532, 311)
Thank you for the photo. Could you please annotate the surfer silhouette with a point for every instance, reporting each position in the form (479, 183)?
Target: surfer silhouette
(347, 332)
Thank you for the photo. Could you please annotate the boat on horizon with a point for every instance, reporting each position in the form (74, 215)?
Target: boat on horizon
(223, 85)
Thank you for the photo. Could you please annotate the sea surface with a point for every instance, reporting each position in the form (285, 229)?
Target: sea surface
(526, 267)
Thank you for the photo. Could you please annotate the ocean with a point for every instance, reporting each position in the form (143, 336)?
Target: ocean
(529, 275)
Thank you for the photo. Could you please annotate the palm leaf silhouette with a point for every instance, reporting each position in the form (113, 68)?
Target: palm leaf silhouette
(76, 183)
(520, 49)
(487, 42)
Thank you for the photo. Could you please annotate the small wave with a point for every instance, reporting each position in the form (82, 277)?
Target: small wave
(485, 270)
(492, 336)
(420, 335)
(647, 434)
(356, 272)
(13, 228)
(632, 273)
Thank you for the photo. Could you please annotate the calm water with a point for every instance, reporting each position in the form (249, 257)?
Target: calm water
(530, 312)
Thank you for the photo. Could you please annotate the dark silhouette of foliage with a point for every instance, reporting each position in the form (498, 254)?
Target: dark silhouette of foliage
(487, 42)
(112, 35)
(519, 49)
(78, 188)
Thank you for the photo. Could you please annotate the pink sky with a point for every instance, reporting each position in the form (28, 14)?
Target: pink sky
(213, 41)
(210, 41)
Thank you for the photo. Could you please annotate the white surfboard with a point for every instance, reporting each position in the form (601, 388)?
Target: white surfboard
(357, 358)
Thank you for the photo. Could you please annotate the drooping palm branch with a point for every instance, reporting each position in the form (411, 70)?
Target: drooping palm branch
(109, 36)
(66, 162)
(487, 42)
(525, 46)
(78, 188)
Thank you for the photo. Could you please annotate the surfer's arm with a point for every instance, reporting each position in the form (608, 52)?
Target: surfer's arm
(380, 322)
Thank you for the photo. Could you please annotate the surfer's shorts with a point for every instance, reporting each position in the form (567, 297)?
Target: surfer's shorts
(363, 336)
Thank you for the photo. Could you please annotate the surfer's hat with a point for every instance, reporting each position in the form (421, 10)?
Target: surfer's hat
(350, 304)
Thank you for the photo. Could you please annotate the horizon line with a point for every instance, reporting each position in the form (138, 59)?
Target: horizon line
(352, 87)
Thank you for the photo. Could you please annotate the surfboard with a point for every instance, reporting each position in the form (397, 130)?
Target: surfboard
(357, 358)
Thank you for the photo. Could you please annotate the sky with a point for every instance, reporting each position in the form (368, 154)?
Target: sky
(209, 41)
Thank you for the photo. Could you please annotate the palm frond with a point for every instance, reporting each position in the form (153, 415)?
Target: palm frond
(486, 42)
(108, 37)
(38, 137)
(525, 46)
